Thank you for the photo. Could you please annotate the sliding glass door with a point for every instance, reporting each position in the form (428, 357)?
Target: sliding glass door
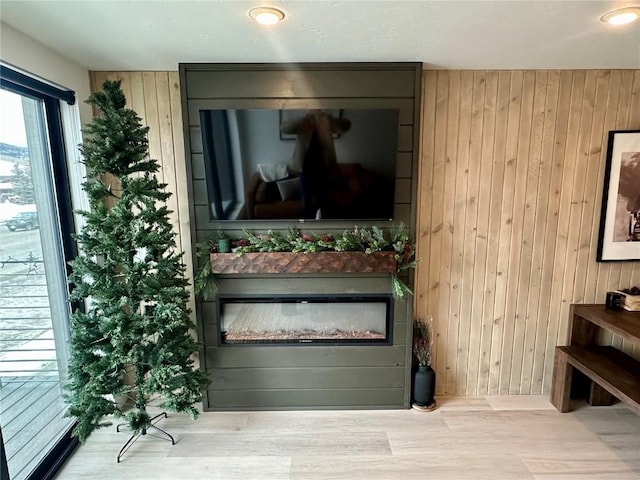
(34, 248)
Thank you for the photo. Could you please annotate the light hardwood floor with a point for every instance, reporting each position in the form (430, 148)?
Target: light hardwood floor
(475, 438)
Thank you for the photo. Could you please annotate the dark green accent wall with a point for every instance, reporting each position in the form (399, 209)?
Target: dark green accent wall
(314, 376)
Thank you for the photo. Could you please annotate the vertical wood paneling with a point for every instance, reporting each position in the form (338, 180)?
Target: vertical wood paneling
(489, 337)
(456, 327)
(557, 331)
(447, 261)
(448, 336)
(425, 195)
(180, 190)
(485, 172)
(510, 193)
(469, 306)
(548, 328)
(437, 278)
(502, 330)
(520, 257)
(546, 98)
(591, 211)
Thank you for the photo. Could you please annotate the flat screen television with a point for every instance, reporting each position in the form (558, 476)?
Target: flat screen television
(311, 164)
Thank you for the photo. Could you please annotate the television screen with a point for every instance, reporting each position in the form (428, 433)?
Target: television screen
(311, 164)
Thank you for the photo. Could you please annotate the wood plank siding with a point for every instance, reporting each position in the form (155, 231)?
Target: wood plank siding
(510, 185)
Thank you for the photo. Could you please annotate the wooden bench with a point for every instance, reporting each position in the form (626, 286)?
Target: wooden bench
(612, 372)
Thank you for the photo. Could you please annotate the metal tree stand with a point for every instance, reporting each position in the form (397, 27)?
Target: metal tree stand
(144, 431)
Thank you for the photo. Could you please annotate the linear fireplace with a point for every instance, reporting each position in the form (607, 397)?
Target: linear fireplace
(304, 320)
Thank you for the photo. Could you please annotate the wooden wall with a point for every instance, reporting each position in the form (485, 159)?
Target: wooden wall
(155, 97)
(511, 179)
(510, 188)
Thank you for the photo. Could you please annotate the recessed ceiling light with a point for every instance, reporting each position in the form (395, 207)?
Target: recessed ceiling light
(621, 16)
(266, 15)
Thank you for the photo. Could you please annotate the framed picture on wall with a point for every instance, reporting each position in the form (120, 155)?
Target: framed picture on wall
(619, 238)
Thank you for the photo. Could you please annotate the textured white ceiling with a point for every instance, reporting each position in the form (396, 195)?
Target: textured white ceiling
(451, 34)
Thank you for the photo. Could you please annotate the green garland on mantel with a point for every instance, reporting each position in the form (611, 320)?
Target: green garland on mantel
(367, 240)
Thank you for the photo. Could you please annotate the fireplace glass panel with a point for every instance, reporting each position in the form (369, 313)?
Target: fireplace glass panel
(306, 320)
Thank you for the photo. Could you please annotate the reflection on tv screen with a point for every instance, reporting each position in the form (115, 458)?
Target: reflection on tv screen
(311, 164)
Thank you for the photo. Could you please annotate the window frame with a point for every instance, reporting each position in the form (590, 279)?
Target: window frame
(54, 99)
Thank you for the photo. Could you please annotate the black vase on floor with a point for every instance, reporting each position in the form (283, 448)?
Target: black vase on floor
(424, 386)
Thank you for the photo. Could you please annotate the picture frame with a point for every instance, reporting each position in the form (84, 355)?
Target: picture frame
(619, 235)
(287, 115)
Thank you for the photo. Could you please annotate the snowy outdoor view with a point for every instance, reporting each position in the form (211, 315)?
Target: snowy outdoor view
(25, 305)
(30, 389)
(24, 310)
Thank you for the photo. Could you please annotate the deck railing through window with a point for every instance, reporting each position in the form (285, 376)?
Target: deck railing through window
(30, 390)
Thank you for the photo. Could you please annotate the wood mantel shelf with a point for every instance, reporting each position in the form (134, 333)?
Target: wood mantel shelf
(288, 262)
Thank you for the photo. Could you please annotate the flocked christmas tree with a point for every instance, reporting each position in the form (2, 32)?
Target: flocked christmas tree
(130, 277)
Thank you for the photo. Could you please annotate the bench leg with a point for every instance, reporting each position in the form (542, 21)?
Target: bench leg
(599, 396)
(561, 384)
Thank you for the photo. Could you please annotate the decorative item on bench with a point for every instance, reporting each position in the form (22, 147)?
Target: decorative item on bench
(424, 378)
(630, 299)
(613, 300)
